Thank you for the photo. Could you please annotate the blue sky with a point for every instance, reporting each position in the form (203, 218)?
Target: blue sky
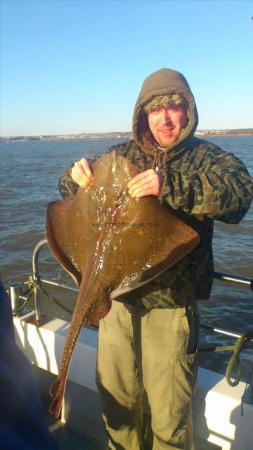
(77, 66)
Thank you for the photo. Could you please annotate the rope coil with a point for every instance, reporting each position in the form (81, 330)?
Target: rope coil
(33, 283)
(234, 363)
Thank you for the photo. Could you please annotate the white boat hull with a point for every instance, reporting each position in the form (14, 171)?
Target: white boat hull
(217, 406)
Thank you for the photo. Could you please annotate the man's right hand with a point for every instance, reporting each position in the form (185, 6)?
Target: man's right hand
(82, 174)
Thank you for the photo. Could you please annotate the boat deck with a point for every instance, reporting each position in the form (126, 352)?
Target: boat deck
(66, 438)
(69, 440)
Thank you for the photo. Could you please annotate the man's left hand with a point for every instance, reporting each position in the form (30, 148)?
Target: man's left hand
(148, 182)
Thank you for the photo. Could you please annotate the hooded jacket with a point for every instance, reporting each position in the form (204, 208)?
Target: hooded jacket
(202, 183)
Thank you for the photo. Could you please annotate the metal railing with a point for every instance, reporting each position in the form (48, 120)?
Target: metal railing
(234, 279)
(37, 279)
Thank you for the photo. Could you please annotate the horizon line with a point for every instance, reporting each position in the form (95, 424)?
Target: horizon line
(117, 132)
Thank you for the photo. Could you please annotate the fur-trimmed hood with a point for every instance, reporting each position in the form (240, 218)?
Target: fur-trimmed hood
(162, 82)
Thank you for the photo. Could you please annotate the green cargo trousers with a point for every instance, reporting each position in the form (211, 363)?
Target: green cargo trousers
(147, 354)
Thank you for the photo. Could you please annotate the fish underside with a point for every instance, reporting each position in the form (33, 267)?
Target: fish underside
(110, 244)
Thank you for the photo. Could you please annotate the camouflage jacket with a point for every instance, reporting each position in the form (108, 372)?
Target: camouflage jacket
(201, 183)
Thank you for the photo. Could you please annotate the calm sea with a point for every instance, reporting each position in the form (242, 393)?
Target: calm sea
(29, 179)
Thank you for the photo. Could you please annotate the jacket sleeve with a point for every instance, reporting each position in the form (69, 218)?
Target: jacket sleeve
(67, 186)
(219, 188)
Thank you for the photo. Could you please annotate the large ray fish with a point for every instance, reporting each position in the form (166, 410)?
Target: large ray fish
(110, 244)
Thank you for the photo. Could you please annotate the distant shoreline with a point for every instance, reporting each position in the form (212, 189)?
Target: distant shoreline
(117, 135)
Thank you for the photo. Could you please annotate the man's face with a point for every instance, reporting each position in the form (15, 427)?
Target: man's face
(166, 124)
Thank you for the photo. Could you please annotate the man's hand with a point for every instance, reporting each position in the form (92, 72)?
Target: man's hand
(81, 173)
(148, 182)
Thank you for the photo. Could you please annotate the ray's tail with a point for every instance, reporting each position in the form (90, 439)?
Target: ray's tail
(80, 315)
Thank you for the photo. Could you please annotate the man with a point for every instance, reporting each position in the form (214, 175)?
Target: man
(148, 341)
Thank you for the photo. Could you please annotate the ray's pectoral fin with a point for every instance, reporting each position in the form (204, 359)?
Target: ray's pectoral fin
(57, 232)
(153, 240)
